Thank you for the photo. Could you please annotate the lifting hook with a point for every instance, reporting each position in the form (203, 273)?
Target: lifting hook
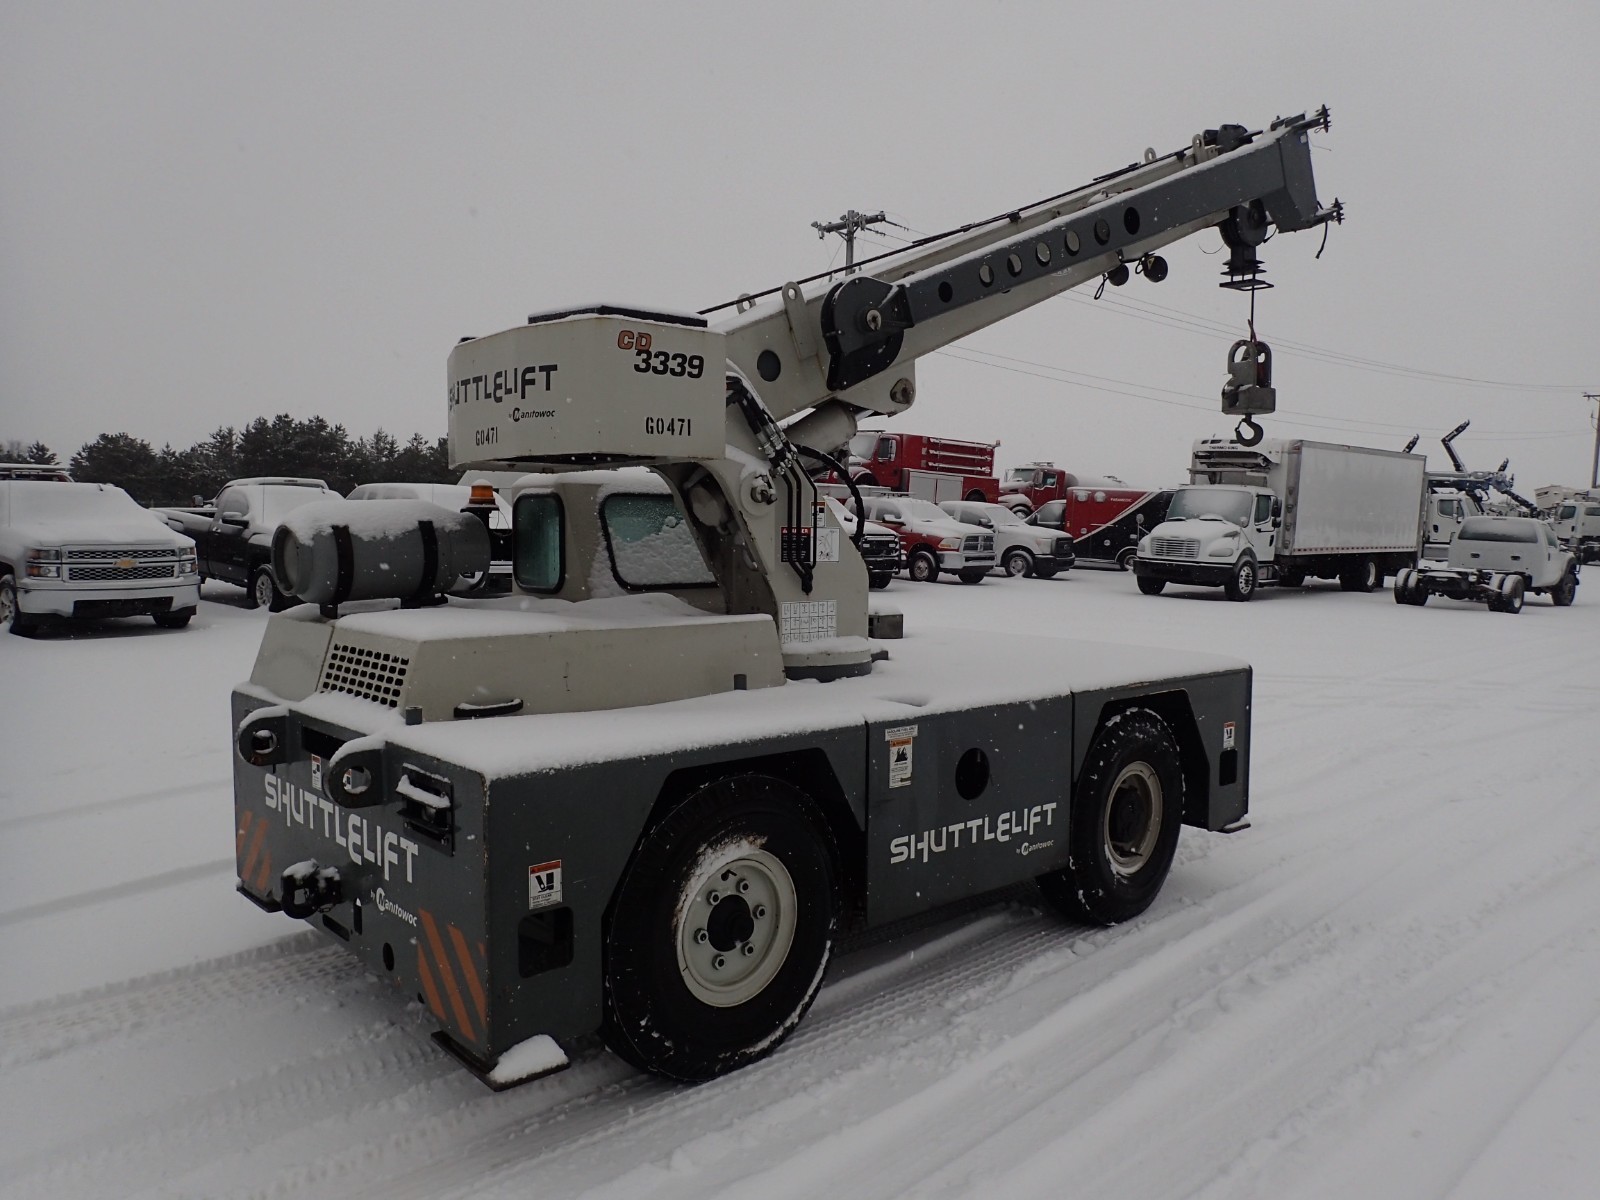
(1247, 432)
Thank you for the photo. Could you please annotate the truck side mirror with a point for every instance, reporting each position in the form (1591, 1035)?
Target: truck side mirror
(236, 519)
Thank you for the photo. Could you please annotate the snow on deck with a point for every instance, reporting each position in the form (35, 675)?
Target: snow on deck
(930, 671)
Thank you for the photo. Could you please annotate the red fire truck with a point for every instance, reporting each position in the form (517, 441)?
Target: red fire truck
(931, 468)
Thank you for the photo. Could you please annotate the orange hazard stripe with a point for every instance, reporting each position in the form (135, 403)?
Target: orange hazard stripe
(428, 988)
(457, 1006)
(469, 972)
(264, 876)
(238, 839)
(255, 850)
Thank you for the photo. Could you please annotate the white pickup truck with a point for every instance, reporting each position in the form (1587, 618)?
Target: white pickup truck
(87, 550)
(1498, 561)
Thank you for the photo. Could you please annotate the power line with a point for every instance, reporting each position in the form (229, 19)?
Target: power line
(1192, 323)
(1101, 383)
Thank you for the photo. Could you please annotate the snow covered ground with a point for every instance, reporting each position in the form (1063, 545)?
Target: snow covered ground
(1389, 987)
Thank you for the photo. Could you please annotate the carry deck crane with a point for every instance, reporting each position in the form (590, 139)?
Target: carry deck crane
(591, 806)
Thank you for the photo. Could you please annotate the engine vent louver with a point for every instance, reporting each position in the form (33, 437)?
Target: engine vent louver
(370, 674)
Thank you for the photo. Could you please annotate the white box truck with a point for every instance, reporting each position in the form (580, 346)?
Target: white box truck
(1282, 512)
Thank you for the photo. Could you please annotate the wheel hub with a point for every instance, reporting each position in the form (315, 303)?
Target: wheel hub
(1133, 819)
(736, 929)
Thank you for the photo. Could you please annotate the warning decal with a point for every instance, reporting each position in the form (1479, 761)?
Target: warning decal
(901, 743)
(544, 885)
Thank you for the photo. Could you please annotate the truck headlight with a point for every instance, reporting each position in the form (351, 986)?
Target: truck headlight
(44, 564)
(1224, 546)
(950, 543)
(187, 564)
(1143, 548)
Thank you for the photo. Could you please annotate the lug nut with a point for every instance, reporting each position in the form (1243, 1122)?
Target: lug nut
(701, 936)
(719, 962)
(759, 912)
(744, 887)
(747, 949)
(713, 897)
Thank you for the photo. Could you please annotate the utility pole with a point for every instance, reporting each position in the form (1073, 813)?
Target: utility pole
(1594, 472)
(849, 225)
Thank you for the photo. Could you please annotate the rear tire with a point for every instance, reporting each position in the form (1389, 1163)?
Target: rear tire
(1292, 579)
(1124, 820)
(923, 567)
(1362, 576)
(264, 592)
(1125, 559)
(1151, 587)
(1511, 595)
(721, 929)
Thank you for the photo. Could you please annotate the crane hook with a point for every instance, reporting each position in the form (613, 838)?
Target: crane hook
(1247, 432)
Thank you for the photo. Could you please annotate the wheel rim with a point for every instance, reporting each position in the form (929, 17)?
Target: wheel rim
(1016, 564)
(8, 606)
(1132, 823)
(264, 589)
(1247, 579)
(1370, 579)
(736, 928)
(919, 568)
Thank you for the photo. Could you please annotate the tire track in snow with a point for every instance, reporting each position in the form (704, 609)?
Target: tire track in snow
(118, 891)
(221, 784)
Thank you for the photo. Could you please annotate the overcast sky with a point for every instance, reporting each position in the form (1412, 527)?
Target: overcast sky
(212, 211)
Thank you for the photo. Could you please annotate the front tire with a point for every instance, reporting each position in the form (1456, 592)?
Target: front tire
(973, 574)
(721, 929)
(173, 620)
(1565, 592)
(1018, 562)
(878, 580)
(923, 567)
(11, 614)
(1151, 587)
(1125, 814)
(1241, 585)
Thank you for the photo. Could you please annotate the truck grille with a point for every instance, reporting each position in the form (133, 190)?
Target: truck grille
(979, 544)
(1175, 547)
(117, 574)
(880, 547)
(1063, 548)
(370, 674)
(85, 565)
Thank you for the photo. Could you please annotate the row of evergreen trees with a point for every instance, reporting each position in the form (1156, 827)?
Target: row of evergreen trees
(282, 446)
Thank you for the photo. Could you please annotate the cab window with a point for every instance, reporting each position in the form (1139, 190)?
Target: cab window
(651, 543)
(538, 552)
(234, 501)
(1263, 509)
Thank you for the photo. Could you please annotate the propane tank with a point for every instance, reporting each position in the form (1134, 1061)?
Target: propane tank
(334, 551)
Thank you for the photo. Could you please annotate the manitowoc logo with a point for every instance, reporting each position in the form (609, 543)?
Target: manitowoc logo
(1000, 827)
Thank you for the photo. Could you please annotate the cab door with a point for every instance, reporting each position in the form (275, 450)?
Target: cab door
(228, 539)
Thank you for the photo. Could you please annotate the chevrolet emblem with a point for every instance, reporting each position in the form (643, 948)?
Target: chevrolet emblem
(126, 564)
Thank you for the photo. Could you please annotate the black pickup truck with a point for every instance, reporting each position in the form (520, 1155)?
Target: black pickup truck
(233, 534)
